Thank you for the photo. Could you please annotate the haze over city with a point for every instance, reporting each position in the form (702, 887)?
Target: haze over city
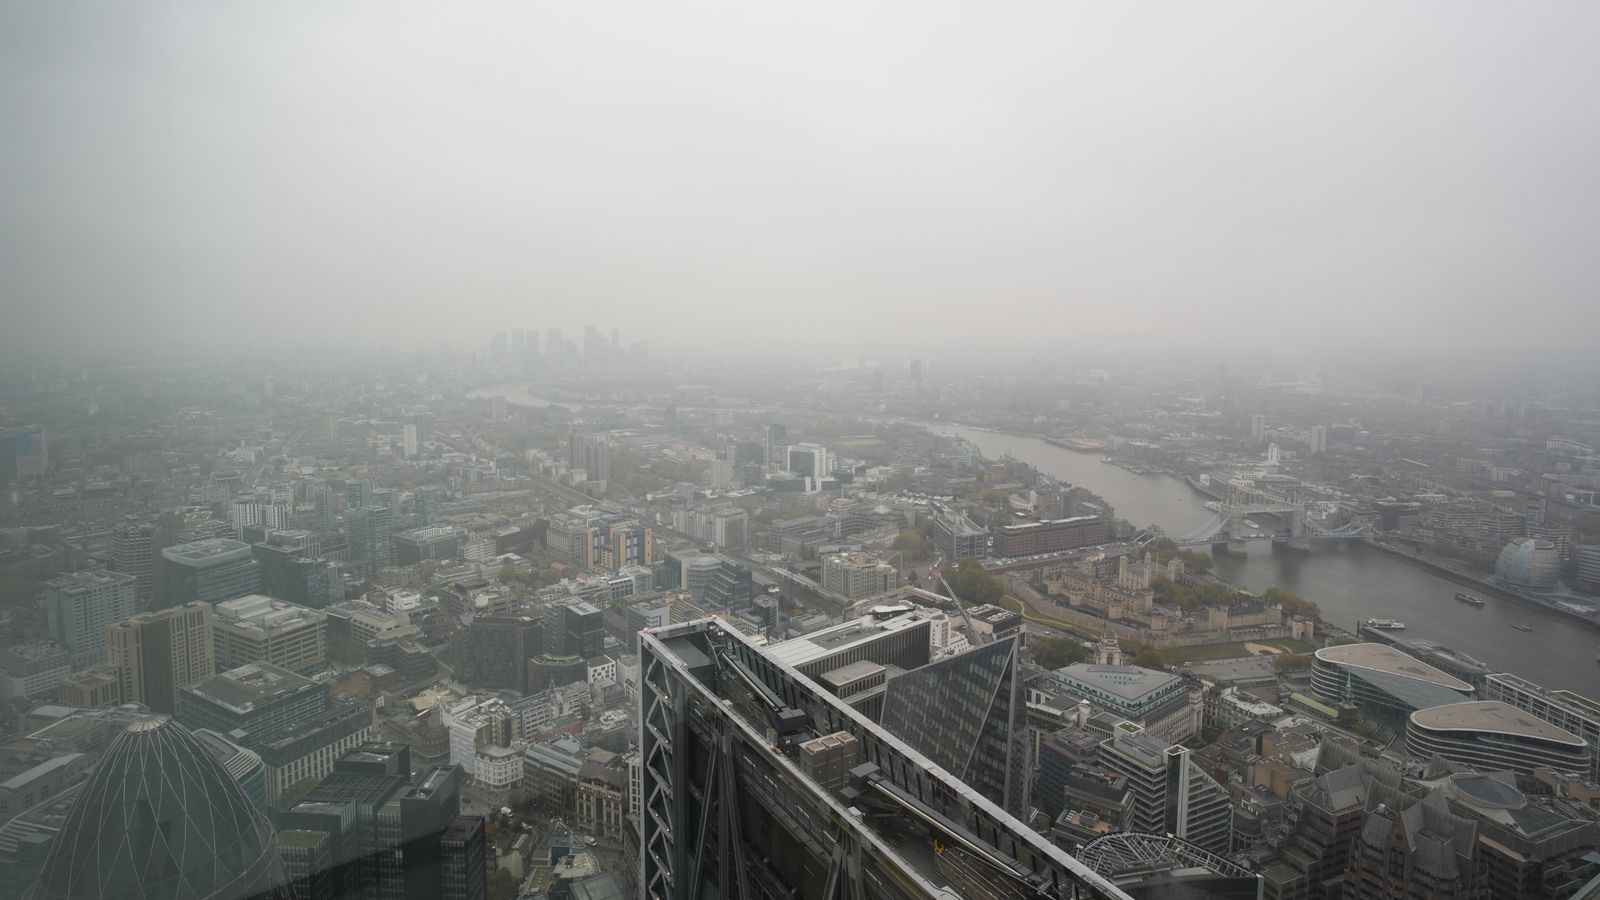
(1362, 179)
(902, 451)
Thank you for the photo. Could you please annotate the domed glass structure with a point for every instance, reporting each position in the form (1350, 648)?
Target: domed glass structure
(1529, 563)
(160, 818)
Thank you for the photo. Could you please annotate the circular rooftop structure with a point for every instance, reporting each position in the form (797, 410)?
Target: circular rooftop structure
(160, 818)
(145, 726)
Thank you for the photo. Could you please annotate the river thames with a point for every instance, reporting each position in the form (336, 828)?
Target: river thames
(1348, 580)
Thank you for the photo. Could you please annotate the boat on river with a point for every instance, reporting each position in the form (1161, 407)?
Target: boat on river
(1469, 599)
(1386, 624)
(1520, 627)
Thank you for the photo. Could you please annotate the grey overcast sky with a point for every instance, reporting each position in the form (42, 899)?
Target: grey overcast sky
(179, 178)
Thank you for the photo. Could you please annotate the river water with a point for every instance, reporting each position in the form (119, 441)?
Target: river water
(1348, 580)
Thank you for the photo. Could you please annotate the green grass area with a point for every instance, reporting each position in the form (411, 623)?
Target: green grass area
(1170, 657)
(1028, 613)
(1175, 655)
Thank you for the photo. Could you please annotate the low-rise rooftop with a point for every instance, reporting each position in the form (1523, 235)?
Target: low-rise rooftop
(1130, 683)
(239, 690)
(1388, 660)
(1493, 716)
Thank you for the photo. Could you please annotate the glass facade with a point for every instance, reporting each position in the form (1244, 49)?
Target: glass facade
(160, 813)
(965, 713)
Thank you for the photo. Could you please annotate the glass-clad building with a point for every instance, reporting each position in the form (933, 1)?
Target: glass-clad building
(160, 812)
(1386, 685)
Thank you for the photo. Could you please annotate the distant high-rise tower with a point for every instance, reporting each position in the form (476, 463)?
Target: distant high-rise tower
(1258, 427)
(80, 606)
(1319, 439)
(591, 453)
(552, 350)
(357, 494)
(327, 513)
(156, 654)
(596, 355)
(409, 440)
(425, 501)
(25, 453)
(209, 571)
(916, 370)
(136, 549)
(369, 528)
(776, 438)
(1272, 454)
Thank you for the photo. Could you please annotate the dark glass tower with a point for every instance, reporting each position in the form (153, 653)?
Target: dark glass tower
(967, 714)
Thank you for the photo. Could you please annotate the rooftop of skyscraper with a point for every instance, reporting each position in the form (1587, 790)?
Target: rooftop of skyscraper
(87, 580)
(980, 842)
(834, 638)
(206, 550)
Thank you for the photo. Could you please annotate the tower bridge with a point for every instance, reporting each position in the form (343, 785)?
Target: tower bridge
(1239, 500)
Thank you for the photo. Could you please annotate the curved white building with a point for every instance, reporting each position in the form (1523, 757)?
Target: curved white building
(1384, 683)
(1492, 736)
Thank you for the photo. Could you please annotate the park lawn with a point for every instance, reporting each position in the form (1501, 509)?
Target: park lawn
(1171, 656)
(1175, 655)
(1032, 615)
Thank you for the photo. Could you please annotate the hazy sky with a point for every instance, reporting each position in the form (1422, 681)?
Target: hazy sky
(862, 176)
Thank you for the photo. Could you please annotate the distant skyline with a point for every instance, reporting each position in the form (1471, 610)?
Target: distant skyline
(903, 179)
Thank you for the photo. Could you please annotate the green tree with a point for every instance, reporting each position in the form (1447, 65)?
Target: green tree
(1170, 592)
(972, 584)
(913, 546)
(1055, 652)
(1291, 662)
(1164, 549)
(1195, 561)
(1149, 659)
(1293, 604)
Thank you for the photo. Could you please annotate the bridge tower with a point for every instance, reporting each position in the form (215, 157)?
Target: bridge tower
(1297, 540)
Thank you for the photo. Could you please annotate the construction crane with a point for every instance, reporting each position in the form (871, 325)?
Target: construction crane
(965, 616)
